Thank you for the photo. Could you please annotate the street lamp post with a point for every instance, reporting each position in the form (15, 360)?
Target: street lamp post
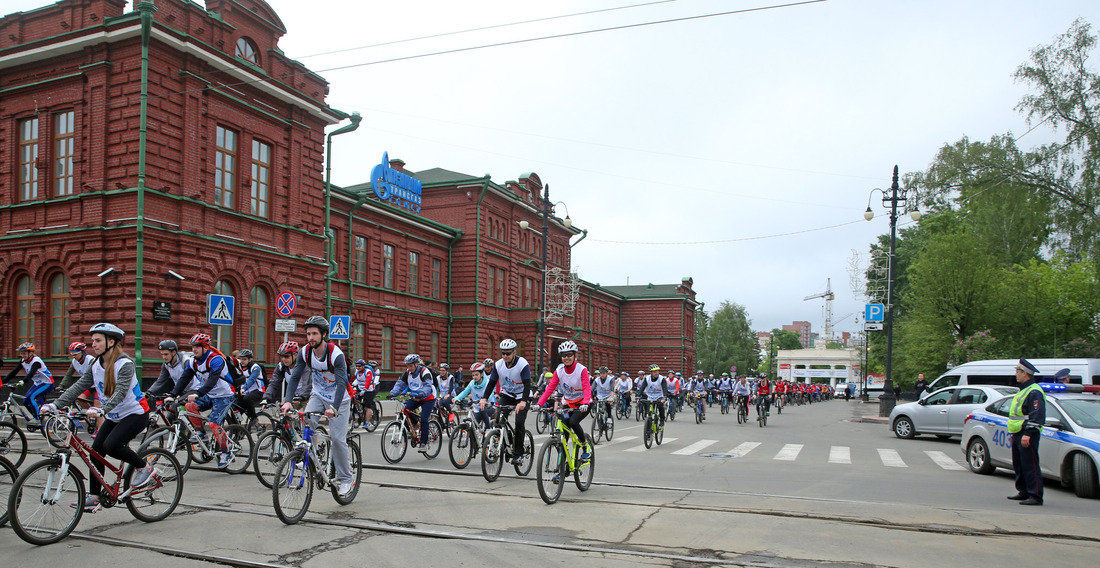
(330, 244)
(893, 198)
(545, 209)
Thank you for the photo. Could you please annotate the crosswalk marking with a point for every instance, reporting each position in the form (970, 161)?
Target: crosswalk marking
(743, 449)
(943, 460)
(789, 452)
(618, 439)
(891, 458)
(840, 454)
(641, 448)
(694, 447)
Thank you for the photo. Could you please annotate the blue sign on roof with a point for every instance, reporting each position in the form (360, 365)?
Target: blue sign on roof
(398, 188)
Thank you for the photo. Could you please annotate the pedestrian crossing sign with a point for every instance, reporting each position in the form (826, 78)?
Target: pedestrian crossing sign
(339, 326)
(219, 309)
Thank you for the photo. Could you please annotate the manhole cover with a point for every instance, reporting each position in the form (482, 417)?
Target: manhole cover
(717, 456)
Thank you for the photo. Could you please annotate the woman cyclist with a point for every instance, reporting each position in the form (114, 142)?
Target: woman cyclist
(125, 409)
(576, 385)
(35, 369)
(475, 389)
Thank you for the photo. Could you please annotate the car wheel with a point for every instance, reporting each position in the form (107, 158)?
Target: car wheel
(977, 457)
(1084, 477)
(903, 428)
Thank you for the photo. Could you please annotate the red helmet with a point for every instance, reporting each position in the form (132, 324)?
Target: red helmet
(477, 367)
(77, 346)
(200, 339)
(288, 347)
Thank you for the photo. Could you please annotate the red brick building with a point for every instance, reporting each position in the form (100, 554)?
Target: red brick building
(159, 155)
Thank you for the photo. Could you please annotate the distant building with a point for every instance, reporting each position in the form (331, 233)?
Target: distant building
(762, 339)
(802, 328)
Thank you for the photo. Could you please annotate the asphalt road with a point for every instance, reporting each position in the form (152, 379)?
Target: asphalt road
(813, 488)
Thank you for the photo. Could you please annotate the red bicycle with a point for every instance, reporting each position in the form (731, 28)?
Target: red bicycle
(47, 500)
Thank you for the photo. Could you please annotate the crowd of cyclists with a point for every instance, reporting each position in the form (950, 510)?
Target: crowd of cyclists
(208, 383)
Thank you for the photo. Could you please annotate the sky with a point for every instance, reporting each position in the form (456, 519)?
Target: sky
(739, 150)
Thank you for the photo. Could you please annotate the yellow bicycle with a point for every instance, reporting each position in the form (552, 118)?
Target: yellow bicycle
(560, 456)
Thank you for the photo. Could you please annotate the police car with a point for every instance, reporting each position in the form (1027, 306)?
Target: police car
(1070, 449)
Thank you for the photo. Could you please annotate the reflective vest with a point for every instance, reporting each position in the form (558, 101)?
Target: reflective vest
(1016, 416)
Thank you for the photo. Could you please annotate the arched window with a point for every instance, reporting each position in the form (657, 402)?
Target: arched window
(24, 310)
(59, 315)
(247, 50)
(257, 325)
(224, 340)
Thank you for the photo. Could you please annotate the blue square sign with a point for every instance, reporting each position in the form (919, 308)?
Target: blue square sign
(339, 327)
(874, 312)
(219, 309)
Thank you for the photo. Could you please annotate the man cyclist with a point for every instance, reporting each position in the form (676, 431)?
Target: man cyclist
(288, 354)
(330, 392)
(366, 385)
(742, 392)
(79, 363)
(725, 387)
(655, 390)
(575, 384)
(764, 394)
(445, 382)
(418, 382)
(623, 386)
(699, 387)
(780, 393)
(255, 382)
(513, 373)
(35, 369)
(605, 390)
(213, 390)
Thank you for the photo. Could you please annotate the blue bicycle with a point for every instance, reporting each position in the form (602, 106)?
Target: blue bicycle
(299, 471)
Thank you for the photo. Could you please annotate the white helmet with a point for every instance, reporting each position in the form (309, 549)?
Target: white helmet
(567, 347)
(507, 345)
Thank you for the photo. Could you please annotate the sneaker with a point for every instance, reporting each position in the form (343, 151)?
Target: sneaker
(587, 454)
(195, 439)
(422, 448)
(143, 476)
(346, 487)
(557, 479)
(223, 459)
(518, 460)
(91, 504)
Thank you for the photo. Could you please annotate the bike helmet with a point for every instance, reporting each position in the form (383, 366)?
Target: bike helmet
(444, 366)
(25, 347)
(77, 346)
(725, 374)
(317, 322)
(567, 347)
(624, 374)
(109, 329)
(477, 368)
(698, 372)
(412, 359)
(169, 345)
(372, 363)
(508, 345)
(288, 348)
(360, 362)
(488, 362)
(602, 369)
(246, 353)
(654, 367)
(200, 339)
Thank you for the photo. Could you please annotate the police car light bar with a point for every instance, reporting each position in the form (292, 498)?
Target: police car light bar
(1062, 387)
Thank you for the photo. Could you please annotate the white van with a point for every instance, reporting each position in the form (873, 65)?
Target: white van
(1003, 372)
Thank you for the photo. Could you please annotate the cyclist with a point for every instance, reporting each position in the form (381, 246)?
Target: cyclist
(699, 387)
(475, 389)
(125, 408)
(674, 387)
(331, 392)
(605, 390)
(725, 387)
(513, 373)
(623, 386)
(170, 370)
(79, 363)
(366, 384)
(35, 369)
(742, 392)
(207, 375)
(655, 390)
(418, 382)
(254, 383)
(288, 354)
(780, 393)
(445, 383)
(763, 393)
(573, 380)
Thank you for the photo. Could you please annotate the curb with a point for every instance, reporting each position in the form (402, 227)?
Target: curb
(871, 419)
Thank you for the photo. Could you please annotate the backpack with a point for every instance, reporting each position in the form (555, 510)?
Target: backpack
(331, 347)
(235, 373)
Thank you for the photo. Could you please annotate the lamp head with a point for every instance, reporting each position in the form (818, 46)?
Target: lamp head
(915, 214)
(868, 214)
(568, 222)
(524, 224)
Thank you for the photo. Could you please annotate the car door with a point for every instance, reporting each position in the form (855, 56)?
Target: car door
(932, 417)
(1052, 447)
(966, 401)
(1000, 443)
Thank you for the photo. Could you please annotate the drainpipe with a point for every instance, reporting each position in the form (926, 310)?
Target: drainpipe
(146, 8)
(584, 234)
(477, 272)
(329, 241)
(450, 304)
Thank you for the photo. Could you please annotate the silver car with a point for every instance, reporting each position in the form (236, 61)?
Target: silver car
(942, 413)
(1070, 449)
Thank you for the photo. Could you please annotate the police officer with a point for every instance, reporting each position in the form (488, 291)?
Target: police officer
(1027, 414)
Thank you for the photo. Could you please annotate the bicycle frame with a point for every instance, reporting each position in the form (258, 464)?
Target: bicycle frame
(13, 407)
(85, 452)
(569, 442)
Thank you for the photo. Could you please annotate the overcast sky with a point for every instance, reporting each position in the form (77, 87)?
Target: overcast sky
(712, 135)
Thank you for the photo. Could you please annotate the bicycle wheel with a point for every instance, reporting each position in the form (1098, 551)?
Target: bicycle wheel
(239, 447)
(528, 454)
(8, 473)
(672, 412)
(13, 443)
(582, 476)
(638, 412)
(594, 429)
(778, 408)
(764, 419)
(270, 450)
(435, 440)
(356, 471)
(541, 422)
(698, 415)
(492, 455)
(609, 429)
(375, 418)
(40, 506)
(160, 496)
(57, 428)
(463, 446)
(659, 435)
(161, 438)
(647, 433)
(551, 471)
(260, 424)
(394, 442)
(742, 415)
(293, 487)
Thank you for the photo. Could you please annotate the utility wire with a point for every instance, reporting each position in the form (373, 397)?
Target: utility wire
(757, 238)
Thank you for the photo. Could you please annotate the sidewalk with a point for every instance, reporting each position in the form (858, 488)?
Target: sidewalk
(867, 412)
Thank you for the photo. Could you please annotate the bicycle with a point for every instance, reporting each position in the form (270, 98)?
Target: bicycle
(358, 414)
(654, 428)
(672, 410)
(468, 438)
(761, 413)
(499, 443)
(697, 403)
(561, 456)
(447, 423)
(725, 403)
(742, 409)
(545, 419)
(779, 404)
(406, 427)
(622, 410)
(298, 471)
(602, 423)
(47, 500)
(272, 447)
(190, 444)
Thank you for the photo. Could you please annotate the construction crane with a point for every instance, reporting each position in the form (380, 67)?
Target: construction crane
(828, 295)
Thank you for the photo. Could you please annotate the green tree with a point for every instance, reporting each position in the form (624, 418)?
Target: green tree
(786, 339)
(727, 339)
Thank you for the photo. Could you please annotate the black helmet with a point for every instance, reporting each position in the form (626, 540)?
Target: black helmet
(169, 345)
(246, 353)
(317, 322)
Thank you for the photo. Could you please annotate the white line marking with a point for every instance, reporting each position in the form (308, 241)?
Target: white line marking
(694, 447)
(891, 458)
(744, 448)
(618, 439)
(840, 454)
(943, 460)
(789, 452)
(641, 448)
